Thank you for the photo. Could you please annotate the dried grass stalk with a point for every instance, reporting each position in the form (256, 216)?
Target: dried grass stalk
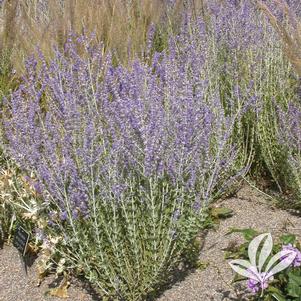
(289, 31)
(122, 25)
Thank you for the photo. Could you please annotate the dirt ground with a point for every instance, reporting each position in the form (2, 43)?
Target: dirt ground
(210, 284)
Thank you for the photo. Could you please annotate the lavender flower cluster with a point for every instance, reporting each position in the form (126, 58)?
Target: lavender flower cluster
(236, 24)
(86, 126)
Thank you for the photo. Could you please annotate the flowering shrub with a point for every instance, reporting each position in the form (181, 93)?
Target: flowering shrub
(284, 285)
(289, 136)
(287, 118)
(126, 158)
(248, 65)
(277, 86)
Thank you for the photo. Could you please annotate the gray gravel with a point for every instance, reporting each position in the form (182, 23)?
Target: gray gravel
(16, 285)
(212, 283)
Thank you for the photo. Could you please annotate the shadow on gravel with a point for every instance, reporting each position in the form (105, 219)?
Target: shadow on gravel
(242, 294)
(185, 268)
(89, 289)
(30, 258)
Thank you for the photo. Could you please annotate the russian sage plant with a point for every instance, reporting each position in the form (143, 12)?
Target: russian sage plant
(289, 137)
(128, 158)
(277, 87)
(251, 68)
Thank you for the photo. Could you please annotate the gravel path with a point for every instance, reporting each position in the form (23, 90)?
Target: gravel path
(212, 283)
(16, 285)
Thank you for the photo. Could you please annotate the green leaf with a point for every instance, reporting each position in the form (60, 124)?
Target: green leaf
(247, 233)
(273, 289)
(278, 297)
(221, 212)
(294, 285)
(294, 278)
(288, 239)
(294, 290)
(202, 265)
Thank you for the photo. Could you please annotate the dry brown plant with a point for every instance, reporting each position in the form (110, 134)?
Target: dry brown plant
(121, 24)
(289, 30)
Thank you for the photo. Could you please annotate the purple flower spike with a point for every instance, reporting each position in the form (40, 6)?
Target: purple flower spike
(107, 127)
(297, 261)
(63, 216)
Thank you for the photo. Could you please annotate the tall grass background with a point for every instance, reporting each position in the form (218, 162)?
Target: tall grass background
(120, 25)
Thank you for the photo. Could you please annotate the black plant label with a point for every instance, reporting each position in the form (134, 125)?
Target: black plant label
(21, 240)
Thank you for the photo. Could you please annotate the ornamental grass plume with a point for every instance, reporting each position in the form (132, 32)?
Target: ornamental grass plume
(121, 25)
(128, 158)
(288, 28)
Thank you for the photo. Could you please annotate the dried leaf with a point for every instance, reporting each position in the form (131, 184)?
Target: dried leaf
(42, 223)
(32, 248)
(30, 215)
(61, 291)
(60, 267)
(42, 268)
